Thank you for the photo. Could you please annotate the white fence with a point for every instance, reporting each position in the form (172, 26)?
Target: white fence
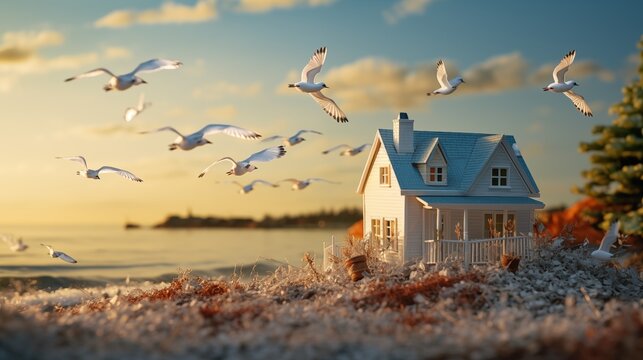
(330, 251)
(478, 251)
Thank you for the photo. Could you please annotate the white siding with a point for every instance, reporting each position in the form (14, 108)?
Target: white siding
(476, 224)
(517, 186)
(413, 222)
(383, 201)
(523, 221)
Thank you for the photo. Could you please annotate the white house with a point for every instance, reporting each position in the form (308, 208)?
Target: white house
(423, 190)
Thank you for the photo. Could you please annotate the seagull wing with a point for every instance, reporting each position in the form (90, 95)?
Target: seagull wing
(335, 148)
(156, 65)
(268, 154)
(130, 114)
(314, 65)
(292, 180)
(78, 159)
(610, 237)
(563, 66)
(230, 130)
(307, 131)
(259, 181)
(91, 73)
(234, 163)
(271, 138)
(165, 128)
(51, 250)
(141, 102)
(124, 173)
(442, 75)
(579, 102)
(322, 180)
(329, 106)
(362, 147)
(65, 257)
(9, 239)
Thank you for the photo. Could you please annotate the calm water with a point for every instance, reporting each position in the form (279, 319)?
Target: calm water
(105, 252)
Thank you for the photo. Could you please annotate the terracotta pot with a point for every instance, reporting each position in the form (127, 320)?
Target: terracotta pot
(510, 262)
(356, 266)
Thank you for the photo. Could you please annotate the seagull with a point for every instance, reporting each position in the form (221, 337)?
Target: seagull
(293, 140)
(14, 244)
(59, 254)
(245, 166)
(189, 142)
(561, 86)
(302, 184)
(308, 85)
(132, 112)
(244, 189)
(349, 151)
(125, 81)
(603, 252)
(94, 174)
(446, 86)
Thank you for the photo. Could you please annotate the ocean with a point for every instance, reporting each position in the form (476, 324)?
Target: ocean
(111, 254)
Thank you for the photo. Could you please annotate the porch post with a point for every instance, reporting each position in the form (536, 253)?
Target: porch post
(465, 237)
(425, 255)
(437, 235)
(504, 238)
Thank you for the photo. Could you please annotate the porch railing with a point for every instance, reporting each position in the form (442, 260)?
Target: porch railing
(478, 251)
(330, 251)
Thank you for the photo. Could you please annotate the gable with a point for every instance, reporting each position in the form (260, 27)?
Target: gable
(517, 184)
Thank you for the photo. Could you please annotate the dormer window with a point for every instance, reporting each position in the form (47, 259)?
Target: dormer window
(499, 177)
(437, 175)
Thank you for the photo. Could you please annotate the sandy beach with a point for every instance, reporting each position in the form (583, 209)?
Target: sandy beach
(397, 312)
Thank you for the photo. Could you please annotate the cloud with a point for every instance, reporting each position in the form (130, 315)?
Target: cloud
(19, 55)
(404, 8)
(21, 46)
(225, 112)
(260, 6)
(115, 52)
(168, 13)
(223, 89)
(578, 70)
(499, 73)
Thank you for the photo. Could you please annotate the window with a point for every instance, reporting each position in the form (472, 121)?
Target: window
(495, 224)
(389, 241)
(385, 176)
(500, 177)
(437, 175)
(376, 231)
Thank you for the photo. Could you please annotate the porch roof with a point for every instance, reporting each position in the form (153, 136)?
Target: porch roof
(480, 202)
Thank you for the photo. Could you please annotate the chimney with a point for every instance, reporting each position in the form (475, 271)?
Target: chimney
(403, 134)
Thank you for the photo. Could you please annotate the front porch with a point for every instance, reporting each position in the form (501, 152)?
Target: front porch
(476, 230)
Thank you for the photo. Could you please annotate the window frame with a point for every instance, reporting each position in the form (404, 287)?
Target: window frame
(441, 173)
(389, 235)
(386, 177)
(376, 230)
(500, 177)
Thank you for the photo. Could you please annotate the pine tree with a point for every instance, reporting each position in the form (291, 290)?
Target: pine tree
(616, 178)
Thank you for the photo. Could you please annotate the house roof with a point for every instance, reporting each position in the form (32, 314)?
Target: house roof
(459, 201)
(466, 153)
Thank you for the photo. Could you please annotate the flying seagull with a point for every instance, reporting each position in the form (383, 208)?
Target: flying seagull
(446, 86)
(348, 151)
(293, 140)
(132, 112)
(245, 166)
(603, 252)
(125, 81)
(59, 254)
(189, 142)
(302, 184)
(14, 244)
(308, 85)
(94, 174)
(561, 86)
(244, 189)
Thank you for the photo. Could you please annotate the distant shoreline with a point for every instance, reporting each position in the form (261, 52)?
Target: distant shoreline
(322, 219)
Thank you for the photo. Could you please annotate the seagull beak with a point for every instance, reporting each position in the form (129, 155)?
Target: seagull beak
(326, 86)
(208, 141)
(143, 81)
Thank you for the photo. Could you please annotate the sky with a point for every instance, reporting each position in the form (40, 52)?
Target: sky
(238, 57)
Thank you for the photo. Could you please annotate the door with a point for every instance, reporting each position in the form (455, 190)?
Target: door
(495, 224)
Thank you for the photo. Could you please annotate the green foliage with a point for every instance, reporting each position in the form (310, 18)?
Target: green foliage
(616, 177)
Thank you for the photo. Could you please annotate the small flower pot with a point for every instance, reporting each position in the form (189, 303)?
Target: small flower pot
(356, 267)
(510, 262)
